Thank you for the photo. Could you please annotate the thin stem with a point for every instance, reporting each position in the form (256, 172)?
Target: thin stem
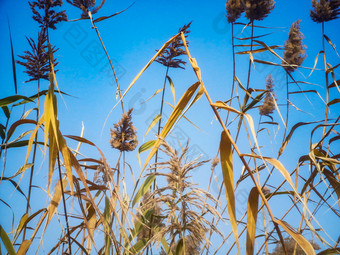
(33, 163)
(108, 57)
(251, 49)
(287, 114)
(64, 203)
(326, 75)
(161, 113)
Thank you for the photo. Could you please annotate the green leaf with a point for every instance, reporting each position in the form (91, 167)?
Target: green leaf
(11, 99)
(153, 123)
(13, 60)
(143, 189)
(6, 241)
(6, 111)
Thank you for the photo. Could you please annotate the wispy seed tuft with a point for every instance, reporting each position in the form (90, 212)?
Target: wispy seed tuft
(268, 105)
(325, 10)
(123, 135)
(294, 53)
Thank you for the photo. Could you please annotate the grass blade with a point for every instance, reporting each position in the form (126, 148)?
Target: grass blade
(6, 241)
(252, 206)
(301, 241)
(228, 180)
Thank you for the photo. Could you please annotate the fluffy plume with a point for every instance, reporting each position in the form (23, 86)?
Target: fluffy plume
(268, 105)
(234, 10)
(325, 10)
(36, 61)
(102, 174)
(86, 6)
(149, 204)
(183, 204)
(258, 9)
(50, 17)
(294, 53)
(123, 135)
(170, 55)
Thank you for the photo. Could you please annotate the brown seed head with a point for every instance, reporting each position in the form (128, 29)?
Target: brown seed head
(170, 55)
(36, 61)
(86, 6)
(50, 17)
(325, 10)
(294, 53)
(234, 10)
(258, 9)
(268, 105)
(123, 135)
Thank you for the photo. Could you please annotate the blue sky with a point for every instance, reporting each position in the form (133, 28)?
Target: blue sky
(131, 40)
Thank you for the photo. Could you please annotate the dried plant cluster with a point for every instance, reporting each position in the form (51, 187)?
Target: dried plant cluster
(95, 209)
(234, 10)
(123, 135)
(295, 52)
(37, 61)
(325, 10)
(170, 55)
(50, 17)
(86, 6)
(268, 105)
(183, 205)
(258, 9)
(253, 9)
(150, 206)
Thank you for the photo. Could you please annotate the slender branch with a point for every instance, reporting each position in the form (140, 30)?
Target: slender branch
(64, 203)
(33, 163)
(326, 75)
(108, 57)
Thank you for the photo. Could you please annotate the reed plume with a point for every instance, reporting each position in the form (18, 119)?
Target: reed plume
(50, 17)
(258, 9)
(37, 60)
(325, 10)
(295, 52)
(124, 135)
(183, 203)
(170, 55)
(234, 10)
(86, 6)
(268, 105)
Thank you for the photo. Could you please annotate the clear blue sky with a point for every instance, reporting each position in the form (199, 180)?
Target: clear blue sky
(131, 40)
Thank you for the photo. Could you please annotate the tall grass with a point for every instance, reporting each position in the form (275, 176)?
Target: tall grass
(118, 210)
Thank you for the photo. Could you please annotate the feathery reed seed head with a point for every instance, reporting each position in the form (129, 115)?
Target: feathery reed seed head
(149, 203)
(170, 55)
(268, 105)
(294, 53)
(325, 10)
(86, 6)
(234, 10)
(181, 200)
(258, 9)
(36, 61)
(123, 135)
(50, 17)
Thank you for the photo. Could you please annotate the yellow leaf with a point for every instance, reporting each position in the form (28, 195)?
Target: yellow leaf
(52, 207)
(176, 113)
(228, 179)
(24, 247)
(301, 241)
(253, 201)
(92, 220)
